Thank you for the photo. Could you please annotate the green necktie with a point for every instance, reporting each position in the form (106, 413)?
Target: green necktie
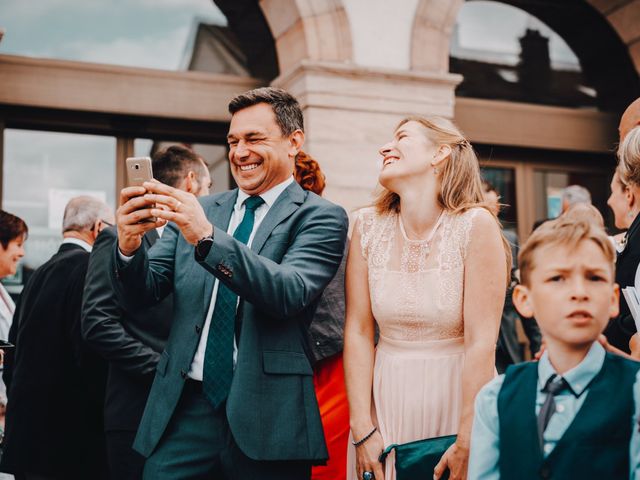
(218, 356)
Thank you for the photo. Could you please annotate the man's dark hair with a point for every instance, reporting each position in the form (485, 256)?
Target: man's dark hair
(284, 105)
(11, 227)
(172, 164)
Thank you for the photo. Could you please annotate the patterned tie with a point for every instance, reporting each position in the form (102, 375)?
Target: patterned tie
(554, 386)
(218, 355)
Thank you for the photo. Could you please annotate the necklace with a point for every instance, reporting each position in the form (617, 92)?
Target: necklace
(429, 236)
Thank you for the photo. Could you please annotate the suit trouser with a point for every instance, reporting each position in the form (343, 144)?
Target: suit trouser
(124, 462)
(198, 444)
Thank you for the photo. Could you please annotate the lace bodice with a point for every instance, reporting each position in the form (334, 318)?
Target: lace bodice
(416, 286)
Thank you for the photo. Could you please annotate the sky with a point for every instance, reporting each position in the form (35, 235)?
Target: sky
(143, 33)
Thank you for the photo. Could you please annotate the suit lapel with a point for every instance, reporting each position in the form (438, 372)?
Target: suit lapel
(287, 203)
(219, 213)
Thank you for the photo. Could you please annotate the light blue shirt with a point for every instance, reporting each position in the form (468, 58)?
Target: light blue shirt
(485, 436)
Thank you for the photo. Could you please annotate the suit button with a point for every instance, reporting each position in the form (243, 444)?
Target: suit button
(545, 472)
(198, 329)
(183, 374)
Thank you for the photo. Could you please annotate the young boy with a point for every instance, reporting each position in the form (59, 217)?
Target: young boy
(573, 414)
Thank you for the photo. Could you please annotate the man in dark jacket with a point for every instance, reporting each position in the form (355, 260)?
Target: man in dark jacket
(131, 339)
(55, 384)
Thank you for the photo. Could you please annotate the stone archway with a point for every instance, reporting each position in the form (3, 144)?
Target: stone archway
(624, 17)
(309, 30)
(432, 28)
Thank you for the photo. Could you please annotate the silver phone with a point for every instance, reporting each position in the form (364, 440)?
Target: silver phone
(139, 171)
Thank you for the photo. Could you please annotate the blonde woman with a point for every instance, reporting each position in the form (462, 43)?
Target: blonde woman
(625, 203)
(429, 265)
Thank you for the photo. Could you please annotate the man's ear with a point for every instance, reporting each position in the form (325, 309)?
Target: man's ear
(614, 307)
(522, 301)
(296, 140)
(191, 182)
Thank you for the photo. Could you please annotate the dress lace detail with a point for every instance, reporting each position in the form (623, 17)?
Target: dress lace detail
(416, 286)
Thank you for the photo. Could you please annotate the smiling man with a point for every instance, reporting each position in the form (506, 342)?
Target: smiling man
(233, 396)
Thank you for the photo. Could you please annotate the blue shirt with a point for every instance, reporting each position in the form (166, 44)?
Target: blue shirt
(485, 436)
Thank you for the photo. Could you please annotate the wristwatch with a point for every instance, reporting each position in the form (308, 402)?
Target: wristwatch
(203, 247)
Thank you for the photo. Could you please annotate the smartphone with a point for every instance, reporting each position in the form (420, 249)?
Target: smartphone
(139, 171)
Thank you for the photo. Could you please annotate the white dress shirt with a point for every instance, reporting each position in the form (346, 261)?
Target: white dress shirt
(269, 197)
(77, 241)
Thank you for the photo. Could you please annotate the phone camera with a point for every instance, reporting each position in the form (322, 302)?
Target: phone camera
(137, 166)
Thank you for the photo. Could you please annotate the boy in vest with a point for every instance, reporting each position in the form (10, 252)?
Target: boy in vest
(573, 414)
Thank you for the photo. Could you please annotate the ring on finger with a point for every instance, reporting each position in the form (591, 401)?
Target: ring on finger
(178, 205)
(368, 476)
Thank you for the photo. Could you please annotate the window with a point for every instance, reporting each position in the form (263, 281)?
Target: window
(42, 171)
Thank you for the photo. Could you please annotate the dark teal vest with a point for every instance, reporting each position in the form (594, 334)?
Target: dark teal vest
(594, 446)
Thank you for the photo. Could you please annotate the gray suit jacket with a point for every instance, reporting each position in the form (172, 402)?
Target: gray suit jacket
(271, 408)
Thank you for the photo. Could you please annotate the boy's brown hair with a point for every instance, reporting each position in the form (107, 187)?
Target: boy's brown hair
(563, 231)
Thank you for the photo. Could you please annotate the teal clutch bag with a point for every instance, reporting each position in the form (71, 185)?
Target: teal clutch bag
(418, 459)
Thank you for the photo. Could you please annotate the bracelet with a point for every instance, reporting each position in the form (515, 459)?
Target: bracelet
(365, 438)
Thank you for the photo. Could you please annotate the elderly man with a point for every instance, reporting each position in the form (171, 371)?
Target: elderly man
(132, 342)
(54, 413)
(233, 396)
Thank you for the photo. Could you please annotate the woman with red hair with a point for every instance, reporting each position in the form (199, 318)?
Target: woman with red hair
(326, 340)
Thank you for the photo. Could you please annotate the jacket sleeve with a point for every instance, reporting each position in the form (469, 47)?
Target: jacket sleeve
(284, 289)
(102, 315)
(146, 279)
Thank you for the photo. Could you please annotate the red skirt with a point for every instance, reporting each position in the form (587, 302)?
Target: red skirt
(328, 379)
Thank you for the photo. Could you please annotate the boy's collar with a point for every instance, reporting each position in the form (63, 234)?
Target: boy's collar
(580, 376)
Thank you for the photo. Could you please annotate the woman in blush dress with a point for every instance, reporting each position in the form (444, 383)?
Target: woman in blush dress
(429, 265)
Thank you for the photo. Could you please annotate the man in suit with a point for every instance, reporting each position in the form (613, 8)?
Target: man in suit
(621, 328)
(233, 396)
(55, 384)
(132, 342)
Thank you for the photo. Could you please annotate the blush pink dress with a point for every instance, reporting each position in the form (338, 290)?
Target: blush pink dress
(416, 290)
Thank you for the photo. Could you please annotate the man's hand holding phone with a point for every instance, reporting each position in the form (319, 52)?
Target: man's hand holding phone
(132, 219)
(180, 207)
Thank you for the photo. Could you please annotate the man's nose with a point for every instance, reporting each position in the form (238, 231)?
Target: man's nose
(241, 150)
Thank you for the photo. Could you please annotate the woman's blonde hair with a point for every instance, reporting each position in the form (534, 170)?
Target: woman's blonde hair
(460, 180)
(629, 158)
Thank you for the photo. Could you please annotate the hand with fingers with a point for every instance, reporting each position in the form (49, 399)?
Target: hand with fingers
(132, 217)
(182, 208)
(456, 460)
(367, 454)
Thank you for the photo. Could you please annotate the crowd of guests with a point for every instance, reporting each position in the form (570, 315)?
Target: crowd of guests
(241, 336)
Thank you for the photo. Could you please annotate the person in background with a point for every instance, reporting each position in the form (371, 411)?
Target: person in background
(625, 204)
(508, 348)
(574, 413)
(326, 334)
(132, 342)
(429, 266)
(55, 384)
(571, 195)
(13, 234)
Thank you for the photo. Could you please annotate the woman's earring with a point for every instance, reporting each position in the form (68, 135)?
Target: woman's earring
(630, 215)
(435, 170)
